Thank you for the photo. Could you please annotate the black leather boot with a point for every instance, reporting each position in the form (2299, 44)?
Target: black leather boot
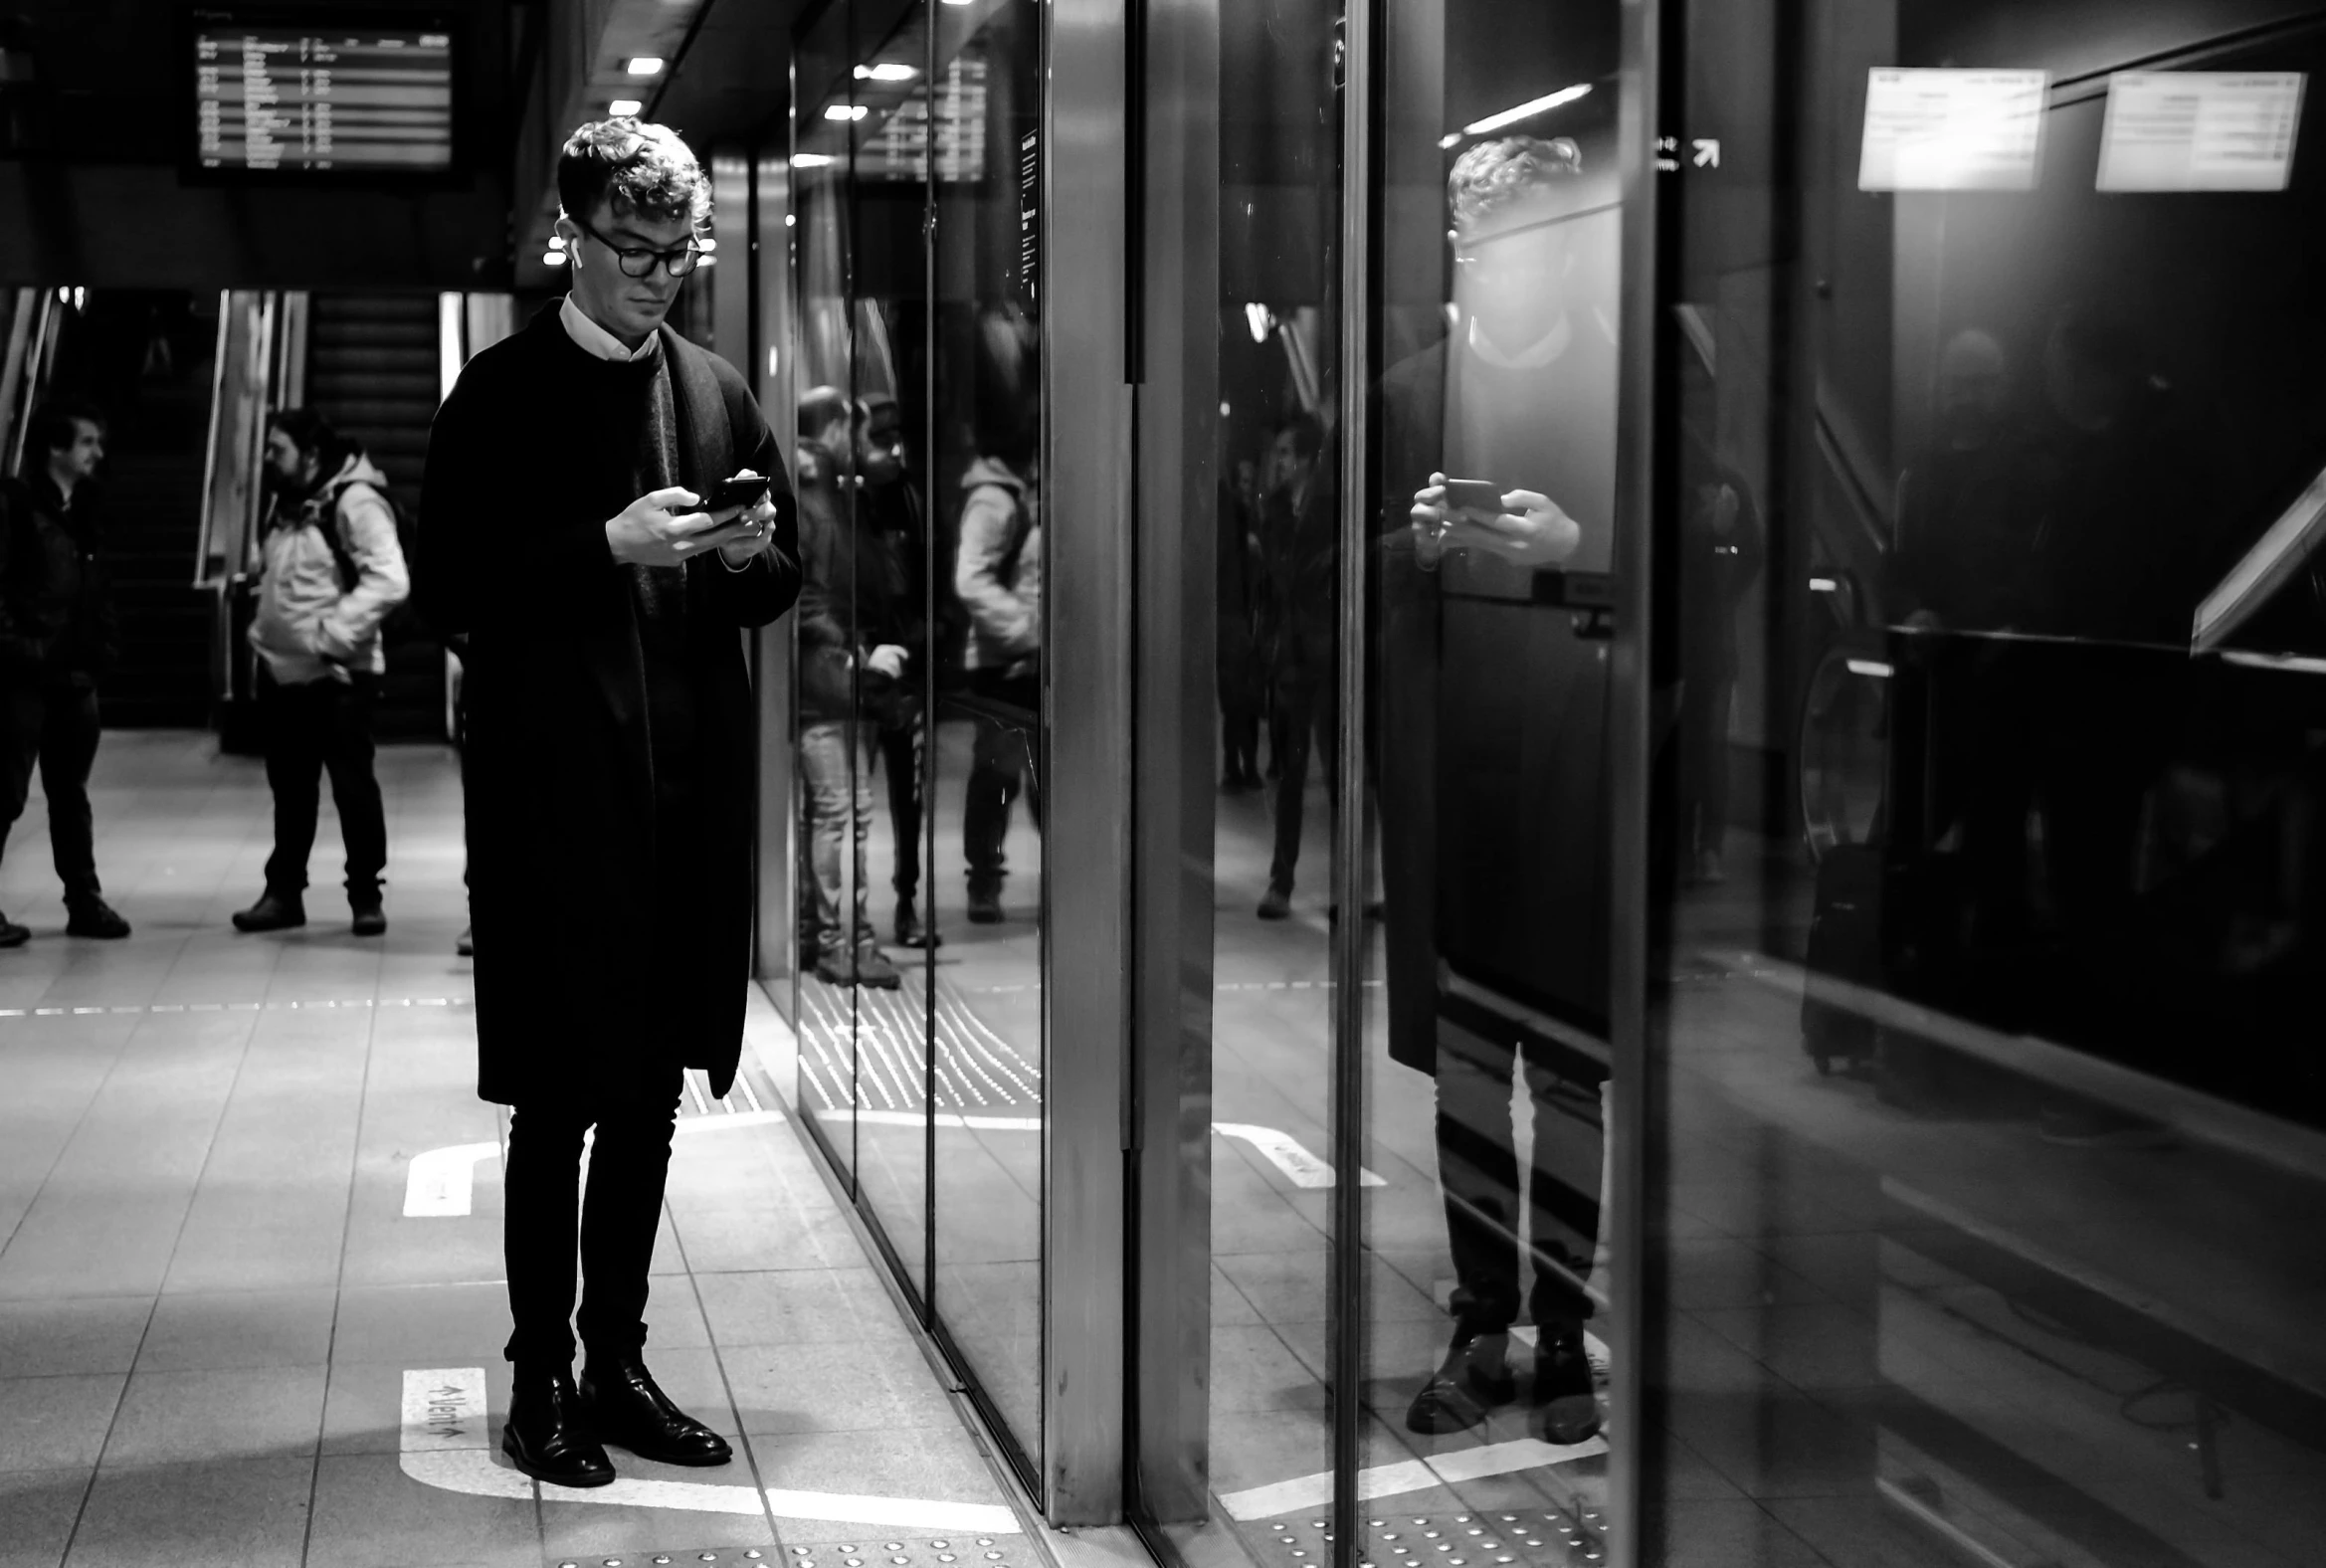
(1474, 1378)
(548, 1436)
(627, 1410)
(272, 913)
(1566, 1403)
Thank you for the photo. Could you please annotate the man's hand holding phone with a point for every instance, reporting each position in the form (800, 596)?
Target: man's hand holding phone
(1523, 526)
(672, 525)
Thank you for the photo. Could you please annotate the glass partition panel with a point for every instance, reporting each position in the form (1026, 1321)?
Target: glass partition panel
(826, 750)
(1491, 521)
(1987, 1151)
(984, 421)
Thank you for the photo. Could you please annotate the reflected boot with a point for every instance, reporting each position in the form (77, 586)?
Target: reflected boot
(1276, 903)
(627, 1410)
(985, 901)
(910, 932)
(12, 934)
(371, 915)
(1474, 1378)
(546, 1435)
(272, 913)
(1566, 1402)
(465, 943)
(874, 969)
(90, 916)
(835, 966)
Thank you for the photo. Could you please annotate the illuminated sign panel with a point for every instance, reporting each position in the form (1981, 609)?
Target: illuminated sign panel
(2200, 131)
(297, 99)
(1952, 131)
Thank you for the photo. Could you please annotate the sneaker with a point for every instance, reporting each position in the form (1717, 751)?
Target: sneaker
(874, 969)
(370, 918)
(1278, 904)
(272, 913)
(985, 905)
(910, 932)
(834, 968)
(1565, 1398)
(465, 943)
(93, 917)
(12, 934)
(1473, 1379)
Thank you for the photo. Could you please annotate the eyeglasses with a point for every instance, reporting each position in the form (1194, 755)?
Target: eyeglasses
(641, 261)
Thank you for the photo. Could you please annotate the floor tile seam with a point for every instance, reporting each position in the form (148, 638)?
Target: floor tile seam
(66, 1143)
(339, 1285)
(726, 1383)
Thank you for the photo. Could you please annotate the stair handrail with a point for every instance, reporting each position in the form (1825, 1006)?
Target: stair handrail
(240, 388)
(31, 355)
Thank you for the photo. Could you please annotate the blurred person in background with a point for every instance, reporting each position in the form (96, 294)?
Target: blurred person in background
(998, 576)
(889, 508)
(58, 633)
(332, 568)
(1295, 635)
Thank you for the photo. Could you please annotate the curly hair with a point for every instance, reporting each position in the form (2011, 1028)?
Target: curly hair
(635, 168)
(1493, 177)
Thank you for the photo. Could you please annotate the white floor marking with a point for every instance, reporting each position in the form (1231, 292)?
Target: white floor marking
(442, 1183)
(1287, 1154)
(448, 1444)
(943, 1119)
(1387, 1481)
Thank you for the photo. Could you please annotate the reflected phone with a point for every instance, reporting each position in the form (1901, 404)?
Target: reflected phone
(1482, 495)
(741, 490)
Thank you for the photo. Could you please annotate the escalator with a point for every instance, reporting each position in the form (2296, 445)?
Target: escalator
(372, 370)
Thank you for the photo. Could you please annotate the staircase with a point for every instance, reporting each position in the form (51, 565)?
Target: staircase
(372, 371)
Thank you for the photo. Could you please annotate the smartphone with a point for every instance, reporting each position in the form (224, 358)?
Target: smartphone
(1481, 495)
(743, 490)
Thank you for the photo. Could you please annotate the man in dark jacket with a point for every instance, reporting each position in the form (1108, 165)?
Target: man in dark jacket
(58, 633)
(853, 661)
(610, 766)
(1295, 612)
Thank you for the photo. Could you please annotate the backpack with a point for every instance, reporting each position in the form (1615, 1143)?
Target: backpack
(403, 623)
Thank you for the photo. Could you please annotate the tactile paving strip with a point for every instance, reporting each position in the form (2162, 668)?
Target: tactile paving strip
(917, 1551)
(1495, 1539)
(700, 1554)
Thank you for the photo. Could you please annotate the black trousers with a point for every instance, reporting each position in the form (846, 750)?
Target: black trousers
(1004, 759)
(903, 743)
(55, 726)
(312, 729)
(1478, 1167)
(630, 1161)
(1305, 719)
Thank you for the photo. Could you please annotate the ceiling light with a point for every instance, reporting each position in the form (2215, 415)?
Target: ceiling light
(887, 71)
(645, 66)
(1526, 111)
(706, 246)
(557, 242)
(1451, 142)
(552, 258)
(813, 160)
(621, 106)
(845, 111)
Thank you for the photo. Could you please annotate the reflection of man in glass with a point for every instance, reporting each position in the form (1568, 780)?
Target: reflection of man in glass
(1491, 718)
(898, 530)
(1299, 570)
(998, 574)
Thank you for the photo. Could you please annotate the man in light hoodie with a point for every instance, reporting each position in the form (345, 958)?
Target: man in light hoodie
(332, 571)
(996, 572)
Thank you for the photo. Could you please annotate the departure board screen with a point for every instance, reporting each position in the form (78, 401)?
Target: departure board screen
(321, 100)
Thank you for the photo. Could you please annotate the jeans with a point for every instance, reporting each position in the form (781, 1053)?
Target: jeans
(314, 728)
(1478, 1167)
(837, 759)
(56, 726)
(1002, 757)
(630, 1161)
(1304, 717)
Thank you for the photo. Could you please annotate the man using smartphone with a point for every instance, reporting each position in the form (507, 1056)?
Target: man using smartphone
(564, 531)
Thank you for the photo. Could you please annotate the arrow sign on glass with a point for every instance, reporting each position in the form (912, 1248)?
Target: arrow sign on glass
(1707, 152)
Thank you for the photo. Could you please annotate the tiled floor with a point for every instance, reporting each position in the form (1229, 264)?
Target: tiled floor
(211, 1297)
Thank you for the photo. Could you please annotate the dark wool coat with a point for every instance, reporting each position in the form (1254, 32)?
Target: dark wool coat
(576, 991)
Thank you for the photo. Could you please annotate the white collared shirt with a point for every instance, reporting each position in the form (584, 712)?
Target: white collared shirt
(599, 343)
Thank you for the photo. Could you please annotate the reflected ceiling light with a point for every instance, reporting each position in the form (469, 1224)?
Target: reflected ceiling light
(622, 106)
(845, 111)
(557, 242)
(552, 258)
(1449, 140)
(1824, 585)
(886, 71)
(1257, 317)
(813, 160)
(960, 2)
(645, 66)
(1526, 111)
(1875, 669)
(706, 246)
